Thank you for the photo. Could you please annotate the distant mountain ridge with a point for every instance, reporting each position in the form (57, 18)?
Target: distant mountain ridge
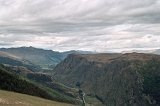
(9, 59)
(46, 59)
(151, 51)
(157, 51)
(40, 57)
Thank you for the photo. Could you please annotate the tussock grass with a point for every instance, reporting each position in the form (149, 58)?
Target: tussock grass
(17, 99)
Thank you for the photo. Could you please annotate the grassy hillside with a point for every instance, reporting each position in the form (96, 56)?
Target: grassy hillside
(9, 59)
(45, 59)
(40, 57)
(16, 99)
(11, 82)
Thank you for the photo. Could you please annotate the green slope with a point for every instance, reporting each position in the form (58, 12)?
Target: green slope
(11, 82)
(40, 57)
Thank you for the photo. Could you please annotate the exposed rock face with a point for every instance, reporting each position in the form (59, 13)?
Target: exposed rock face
(112, 78)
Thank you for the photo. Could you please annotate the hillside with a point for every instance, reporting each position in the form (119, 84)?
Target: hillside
(10, 59)
(130, 79)
(16, 99)
(45, 59)
(38, 86)
(40, 57)
(11, 82)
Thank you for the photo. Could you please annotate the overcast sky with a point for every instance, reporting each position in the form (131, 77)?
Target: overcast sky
(93, 25)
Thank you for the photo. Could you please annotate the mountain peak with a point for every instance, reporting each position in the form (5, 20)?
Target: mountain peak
(114, 78)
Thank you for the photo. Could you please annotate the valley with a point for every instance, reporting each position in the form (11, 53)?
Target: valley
(79, 53)
(80, 77)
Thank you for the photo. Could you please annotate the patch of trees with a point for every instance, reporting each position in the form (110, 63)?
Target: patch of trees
(39, 77)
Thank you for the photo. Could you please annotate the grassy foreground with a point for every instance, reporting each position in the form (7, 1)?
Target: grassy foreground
(16, 99)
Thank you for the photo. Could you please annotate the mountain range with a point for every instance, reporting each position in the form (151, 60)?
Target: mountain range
(44, 59)
(82, 77)
(152, 51)
(131, 79)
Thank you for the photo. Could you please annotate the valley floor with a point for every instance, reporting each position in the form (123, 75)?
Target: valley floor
(16, 99)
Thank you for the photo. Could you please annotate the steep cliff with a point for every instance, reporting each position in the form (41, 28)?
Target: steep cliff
(115, 79)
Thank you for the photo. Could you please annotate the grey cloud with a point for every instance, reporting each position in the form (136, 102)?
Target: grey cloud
(94, 25)
(5, 44)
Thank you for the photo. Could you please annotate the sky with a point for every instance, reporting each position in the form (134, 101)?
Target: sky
(92, 25)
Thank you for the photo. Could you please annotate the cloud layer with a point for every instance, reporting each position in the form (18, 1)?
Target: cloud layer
(97, 25)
